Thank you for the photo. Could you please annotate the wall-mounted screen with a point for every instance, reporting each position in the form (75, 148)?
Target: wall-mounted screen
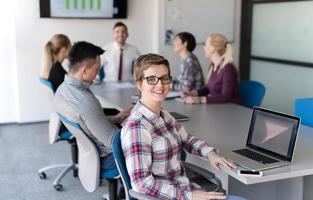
(83, 9)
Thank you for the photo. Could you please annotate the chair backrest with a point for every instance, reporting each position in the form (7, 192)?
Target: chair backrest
(88, 155)
(47, 83)
(120, 163)
(54, 127)
(49, 87)
(54, 121)
(251, 93)
(101, 73)
(304, 109)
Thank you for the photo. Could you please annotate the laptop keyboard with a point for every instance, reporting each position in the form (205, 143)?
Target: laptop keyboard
(256, 156)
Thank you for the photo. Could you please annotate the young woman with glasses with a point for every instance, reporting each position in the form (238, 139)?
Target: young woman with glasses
(153, 141)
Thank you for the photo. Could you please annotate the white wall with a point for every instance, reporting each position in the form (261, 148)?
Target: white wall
(30, 102)
(23, 98)
(8, 92)
(167, 51)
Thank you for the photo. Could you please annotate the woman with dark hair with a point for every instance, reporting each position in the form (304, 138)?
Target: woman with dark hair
(191, 76)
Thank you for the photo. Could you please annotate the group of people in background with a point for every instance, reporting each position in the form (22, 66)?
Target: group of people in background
(117, 64)
(146, 127)
(222, 79)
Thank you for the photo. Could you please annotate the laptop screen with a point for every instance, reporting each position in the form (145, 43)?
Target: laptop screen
(273, 132)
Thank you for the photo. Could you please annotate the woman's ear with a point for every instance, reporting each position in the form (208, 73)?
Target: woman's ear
(138, 85)
(214, 50)
(185, 44)
(63, 51)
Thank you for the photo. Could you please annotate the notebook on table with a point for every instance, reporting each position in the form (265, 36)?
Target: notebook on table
(110, 111)
(271, 141)
(179, 117)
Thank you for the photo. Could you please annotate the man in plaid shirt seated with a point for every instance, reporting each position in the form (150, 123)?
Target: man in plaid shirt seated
(152, 140)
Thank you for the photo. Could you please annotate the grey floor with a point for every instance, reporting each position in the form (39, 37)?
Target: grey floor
(23, 150)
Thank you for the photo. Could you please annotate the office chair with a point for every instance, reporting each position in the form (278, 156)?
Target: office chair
(130, 194)
(251, 93)
(101, 73)
(304, 109)
(89, 161)
(56, 135)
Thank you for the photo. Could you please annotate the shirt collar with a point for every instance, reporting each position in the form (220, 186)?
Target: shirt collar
(118, 46)
(218, 67)
(187, 57)
(147, 113)
(77, 83)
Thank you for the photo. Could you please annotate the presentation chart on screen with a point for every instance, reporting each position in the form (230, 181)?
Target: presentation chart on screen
(82, 8)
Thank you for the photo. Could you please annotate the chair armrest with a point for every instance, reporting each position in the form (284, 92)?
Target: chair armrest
(140, 196)
(205, 174)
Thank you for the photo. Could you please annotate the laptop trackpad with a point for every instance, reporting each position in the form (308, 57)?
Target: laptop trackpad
(245, 162)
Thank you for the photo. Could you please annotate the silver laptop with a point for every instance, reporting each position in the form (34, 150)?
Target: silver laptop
(271, 141)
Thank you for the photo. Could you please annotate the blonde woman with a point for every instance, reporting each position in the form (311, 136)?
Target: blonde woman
(152, 140)
(222, 85)
(55, 51)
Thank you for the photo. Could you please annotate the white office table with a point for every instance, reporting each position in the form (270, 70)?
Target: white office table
(225, 126)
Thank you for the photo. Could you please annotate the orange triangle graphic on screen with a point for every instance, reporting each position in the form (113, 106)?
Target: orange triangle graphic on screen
(273, 130)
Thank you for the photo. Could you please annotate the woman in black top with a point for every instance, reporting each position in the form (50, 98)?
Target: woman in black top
(55, 51)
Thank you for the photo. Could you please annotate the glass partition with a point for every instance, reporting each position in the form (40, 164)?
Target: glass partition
(283, 31)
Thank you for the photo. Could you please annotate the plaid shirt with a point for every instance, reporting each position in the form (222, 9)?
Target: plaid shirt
(152, 146)
(191, 77)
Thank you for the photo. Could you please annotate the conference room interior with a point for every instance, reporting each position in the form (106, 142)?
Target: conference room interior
(272, 42)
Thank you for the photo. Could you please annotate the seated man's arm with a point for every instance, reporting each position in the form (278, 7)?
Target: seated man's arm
(121, 116)
(93, 117)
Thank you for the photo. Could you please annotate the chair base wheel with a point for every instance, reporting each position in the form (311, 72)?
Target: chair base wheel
(42, 175)
(105, 197)
(58, 187)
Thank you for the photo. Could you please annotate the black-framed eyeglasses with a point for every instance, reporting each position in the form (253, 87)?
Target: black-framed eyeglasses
(153, 80)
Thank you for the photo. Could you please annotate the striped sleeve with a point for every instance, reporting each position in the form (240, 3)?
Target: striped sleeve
(96, 121)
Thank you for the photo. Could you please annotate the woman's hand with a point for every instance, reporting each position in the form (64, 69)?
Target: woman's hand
(188, 93)
(217, 160)
(199, 195)
(191, 100)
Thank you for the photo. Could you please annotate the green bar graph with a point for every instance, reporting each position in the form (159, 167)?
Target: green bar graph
(99, 4)
(83, 4)
(75, 4)
(67, 4)
(91, 4)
